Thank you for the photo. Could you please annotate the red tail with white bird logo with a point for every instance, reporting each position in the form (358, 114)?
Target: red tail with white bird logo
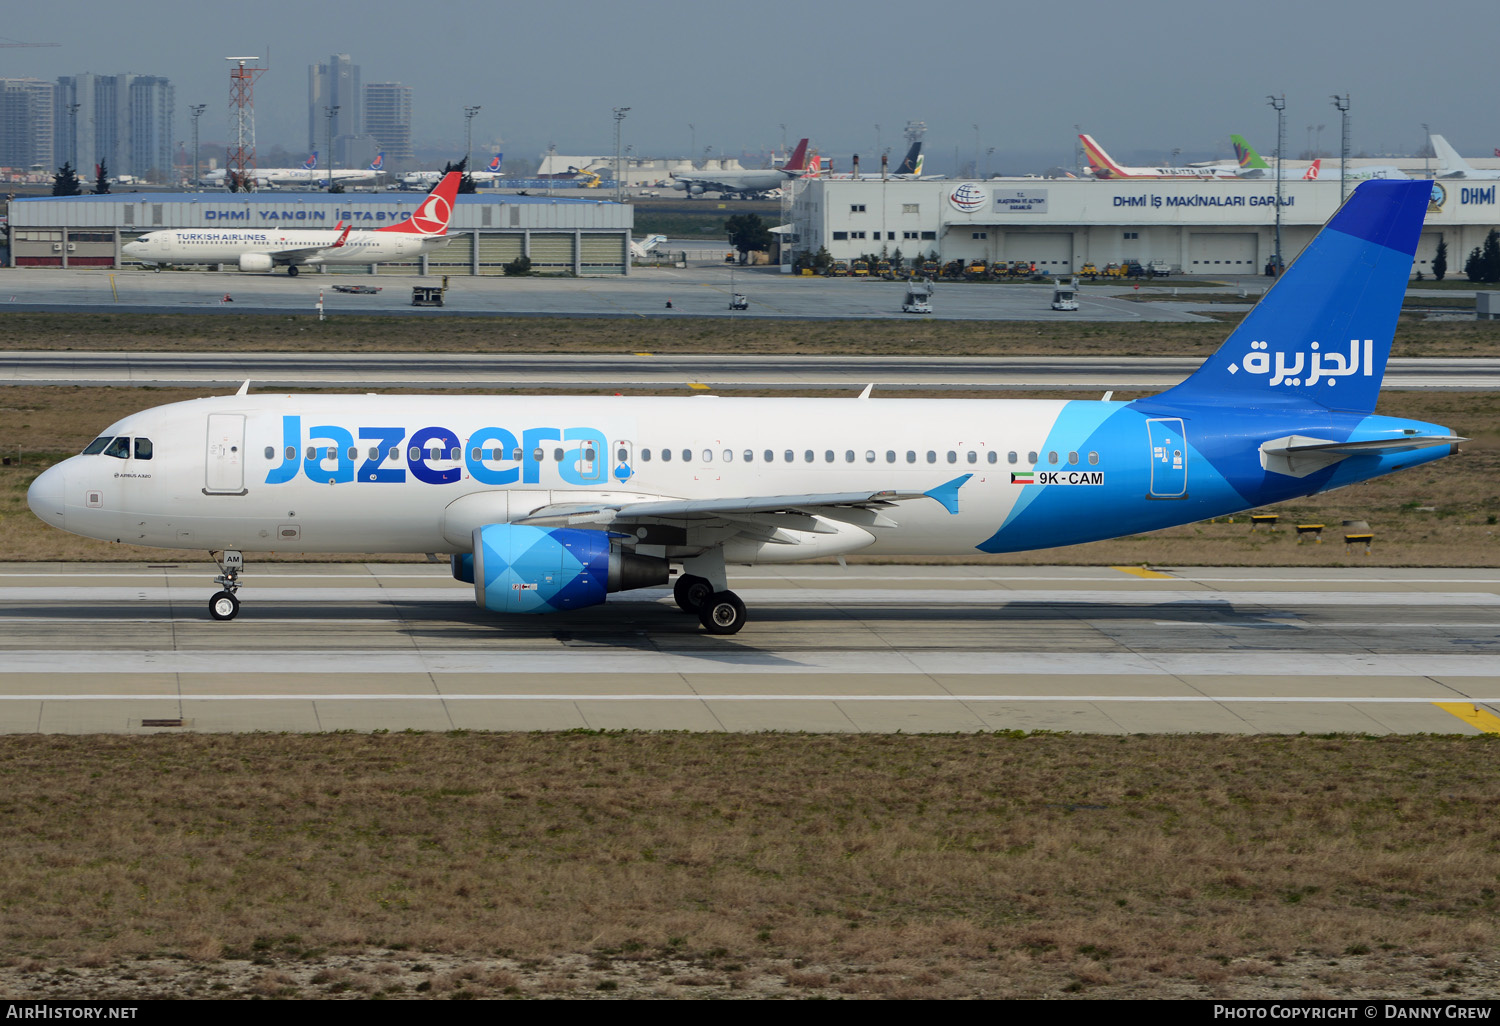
(432, 214)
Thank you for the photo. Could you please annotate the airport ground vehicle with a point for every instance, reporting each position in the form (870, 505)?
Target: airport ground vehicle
(1065, 296)
(738, 302)
(859, 269)
(918, 299)
(358, 290)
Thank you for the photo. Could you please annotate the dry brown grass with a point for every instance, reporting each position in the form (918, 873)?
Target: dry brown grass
(682, 864)
(97, 330)
(1441, 514)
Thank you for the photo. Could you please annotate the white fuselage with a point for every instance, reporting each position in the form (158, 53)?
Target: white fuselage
(356, 473)
(308, 246)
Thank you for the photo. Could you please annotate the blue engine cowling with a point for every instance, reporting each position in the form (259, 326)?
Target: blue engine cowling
(520, 569)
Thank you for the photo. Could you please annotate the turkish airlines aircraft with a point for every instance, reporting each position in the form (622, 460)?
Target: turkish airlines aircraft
(549, 503)
(1104, 167)
(263, 249)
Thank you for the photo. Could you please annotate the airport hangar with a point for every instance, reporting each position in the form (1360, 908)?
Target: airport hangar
(487, 230)
(1209, 227)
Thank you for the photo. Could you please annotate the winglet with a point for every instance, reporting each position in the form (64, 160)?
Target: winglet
(947, 494)
(245, 388)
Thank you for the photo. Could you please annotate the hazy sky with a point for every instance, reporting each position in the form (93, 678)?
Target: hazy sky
(1142, 77)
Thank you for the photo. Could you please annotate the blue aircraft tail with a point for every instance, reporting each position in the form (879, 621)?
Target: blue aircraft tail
(1322, 333)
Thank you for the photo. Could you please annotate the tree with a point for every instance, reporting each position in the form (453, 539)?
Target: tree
(518, 267)
(1440, 261)
(1471, 265)
(65, 182)
(1489, 258)
(747, 234)
(101, 179)
(466, 183)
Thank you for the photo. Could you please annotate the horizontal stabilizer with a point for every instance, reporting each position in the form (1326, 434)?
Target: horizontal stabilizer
(1300, 455)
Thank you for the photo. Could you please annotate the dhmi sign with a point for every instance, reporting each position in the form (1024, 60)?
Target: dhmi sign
(1020, 201)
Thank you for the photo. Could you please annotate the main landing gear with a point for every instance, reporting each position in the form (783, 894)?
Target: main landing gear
(224, 605)
(720, 612)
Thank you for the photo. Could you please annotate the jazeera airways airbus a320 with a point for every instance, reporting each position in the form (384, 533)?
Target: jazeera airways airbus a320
(548, 504)
(264, 249)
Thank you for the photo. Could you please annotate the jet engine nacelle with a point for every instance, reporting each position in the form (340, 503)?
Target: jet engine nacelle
(516, 568)
(255, 262)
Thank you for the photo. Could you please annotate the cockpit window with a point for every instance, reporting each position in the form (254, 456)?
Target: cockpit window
(97, 445)
(143, 448)
(119, 448)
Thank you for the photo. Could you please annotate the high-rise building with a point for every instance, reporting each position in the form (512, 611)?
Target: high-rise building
(388, 119)
(121, 121)
(26, 123)
(335, 84)
(151, 145)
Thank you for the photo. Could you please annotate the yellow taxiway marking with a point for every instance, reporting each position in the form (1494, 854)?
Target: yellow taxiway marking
(1141, 571)
(694, 384)
(1474, 716)
(644, 354)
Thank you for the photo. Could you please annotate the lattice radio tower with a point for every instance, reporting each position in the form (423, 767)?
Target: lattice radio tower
(241, 158)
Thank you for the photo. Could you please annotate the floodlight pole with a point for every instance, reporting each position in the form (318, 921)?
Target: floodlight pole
(1343, 108)
(73, 135)
(197, 109)
(469, 113)
(329, 112)
(1278, 104)
(620, 113)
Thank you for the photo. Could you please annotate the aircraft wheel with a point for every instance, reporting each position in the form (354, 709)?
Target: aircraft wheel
(224, 606)
(692, 593)
(291, 271)
(723, 614)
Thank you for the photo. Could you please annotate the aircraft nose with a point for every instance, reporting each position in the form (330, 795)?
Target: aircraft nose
(47, 494)
(134, 248)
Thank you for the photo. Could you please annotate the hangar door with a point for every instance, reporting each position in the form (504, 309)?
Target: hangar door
(1052, 252)
(1222, 253)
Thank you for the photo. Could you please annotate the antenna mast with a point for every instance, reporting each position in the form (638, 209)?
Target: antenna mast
(241, 157)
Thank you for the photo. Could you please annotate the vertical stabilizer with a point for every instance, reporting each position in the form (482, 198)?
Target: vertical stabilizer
(1322, 333)
(433, 213)
(1449, 162)
(911, 164)
(798, 160)
(1246, 155)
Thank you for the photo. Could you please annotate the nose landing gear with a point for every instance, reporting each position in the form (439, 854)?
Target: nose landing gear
(224, 605)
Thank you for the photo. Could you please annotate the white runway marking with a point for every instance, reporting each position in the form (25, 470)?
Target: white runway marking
(605, 660)
(582, 697)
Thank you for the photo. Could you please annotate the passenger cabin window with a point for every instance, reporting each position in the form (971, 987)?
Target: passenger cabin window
(270, 452)
(995, 456)
(1093, 459)
(1052, 456)
(1072, 457)
(1031, 458)
(119, 449)
(1010, 457)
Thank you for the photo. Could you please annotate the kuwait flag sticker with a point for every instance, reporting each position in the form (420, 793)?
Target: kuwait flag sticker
(1024, 477)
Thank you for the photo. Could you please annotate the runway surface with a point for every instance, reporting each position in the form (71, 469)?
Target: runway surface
(119, 647)
(409, 371)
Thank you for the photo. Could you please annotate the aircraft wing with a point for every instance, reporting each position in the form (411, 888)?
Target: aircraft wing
(751, 508)
(301, 253)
